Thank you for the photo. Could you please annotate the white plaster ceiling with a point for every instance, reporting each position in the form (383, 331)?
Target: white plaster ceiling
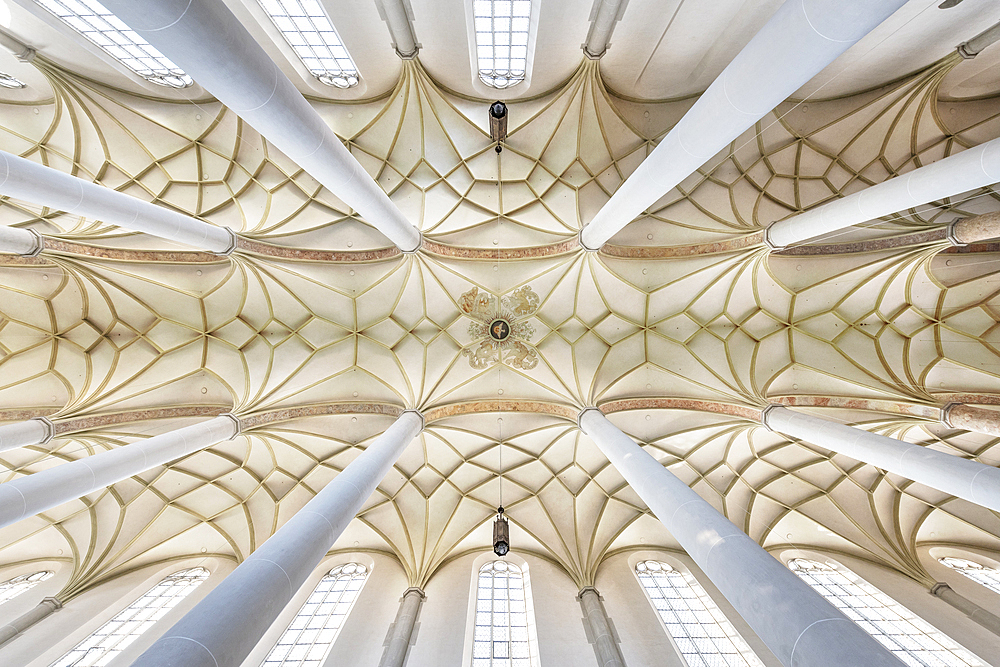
(82, 336)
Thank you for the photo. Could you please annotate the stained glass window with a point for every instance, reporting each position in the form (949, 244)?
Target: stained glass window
(502, 40)
(311, 634)
(11, 588)
(308, 30)
(987, 576)
(7, 81)
(114, 636)
(95, 22)
(911, 639)
(703, 634)
(501, 634)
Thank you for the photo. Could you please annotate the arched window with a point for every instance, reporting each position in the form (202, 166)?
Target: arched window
(311, 634)
(502, 28)
(501, 637)
(987, 576)
(308, 30)
(95, 22)
(11, 588)
(7, 81)
(114, 636)
(911, 639)
(699, 629)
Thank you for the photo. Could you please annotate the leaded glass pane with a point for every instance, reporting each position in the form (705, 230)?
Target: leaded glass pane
(500, 637)
(310, 636)
(95, 22)
(911, 639)
(701, 632)
(12, 588)
(502, 40)
(114, 636)
(987, 576)
(309, 31)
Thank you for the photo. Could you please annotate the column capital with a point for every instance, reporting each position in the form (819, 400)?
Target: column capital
(236, 421)
(50, 428)
(39, 244)
(233, 243)
(946, 412)
(420, 235)
(765, 412)
(950, 234)
(939, 588)
(53, 602)
(579, 418)
(414, 590)
(418, 413)
(768, 242)
(588, 589)
(583, 245)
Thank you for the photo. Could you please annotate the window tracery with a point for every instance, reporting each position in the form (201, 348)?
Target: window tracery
(987, 576)
(310, 636)
(501, 637)
(702, 633)
(502, 40)
(95, 22)
(8, 81)
(910, 638)
(11, 588)
(128, 625)
(308, 30)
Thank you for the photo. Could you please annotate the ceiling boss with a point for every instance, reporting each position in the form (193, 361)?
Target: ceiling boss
(498, 330)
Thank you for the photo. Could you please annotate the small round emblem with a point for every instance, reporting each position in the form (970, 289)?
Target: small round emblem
(499, 330)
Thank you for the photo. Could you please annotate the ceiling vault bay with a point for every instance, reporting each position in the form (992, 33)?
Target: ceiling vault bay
(121, 337)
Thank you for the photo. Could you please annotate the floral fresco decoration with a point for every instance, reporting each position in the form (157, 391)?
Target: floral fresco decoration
(498, 328)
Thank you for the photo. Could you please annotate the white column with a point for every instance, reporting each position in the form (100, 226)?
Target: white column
(20, 241)
(209, 43)
(972, 168)
(31, 182)
(800, 627)
(401, 632)
(975, 46)
(603, 17)
(975, 482)
(36, 431)
(27, 496)
(605, 646)
(222, 629)
(41, 611)
(802, 38)
(394, 13)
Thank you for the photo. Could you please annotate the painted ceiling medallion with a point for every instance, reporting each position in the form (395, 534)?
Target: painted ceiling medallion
(498, 330)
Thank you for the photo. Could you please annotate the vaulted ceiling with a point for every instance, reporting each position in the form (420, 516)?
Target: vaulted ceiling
(325, 332)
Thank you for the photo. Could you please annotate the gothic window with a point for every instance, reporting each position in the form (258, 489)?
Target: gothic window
(502, 40)
(704, 636)
(912, 640)
(11, 588)
(501, 637)
(308, 30)
(310, 636)
(7, 81)
(95, 22)
(987, 576)
(114, 636)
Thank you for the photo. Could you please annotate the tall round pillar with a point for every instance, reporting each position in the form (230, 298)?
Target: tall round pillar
(37, 431)
(605, 646)
(401, 634)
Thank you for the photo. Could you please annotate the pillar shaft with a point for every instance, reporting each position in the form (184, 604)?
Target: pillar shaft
(209, 43)
(975, 46)
(20, 624)
(972, 168)
(31, 182)
(976, 229)
(394, 14)
(802, 38)
(603, 20)
(975, 482)
(401, 633)
(972, 418)
(605, 646)
(800, 627)
(985, 618)
(223, 628)
(25, 434)
(27, 496)
(19, 241)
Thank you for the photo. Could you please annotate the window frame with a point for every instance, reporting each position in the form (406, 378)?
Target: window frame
(470, 621)
(513, 91)
(25, 575)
